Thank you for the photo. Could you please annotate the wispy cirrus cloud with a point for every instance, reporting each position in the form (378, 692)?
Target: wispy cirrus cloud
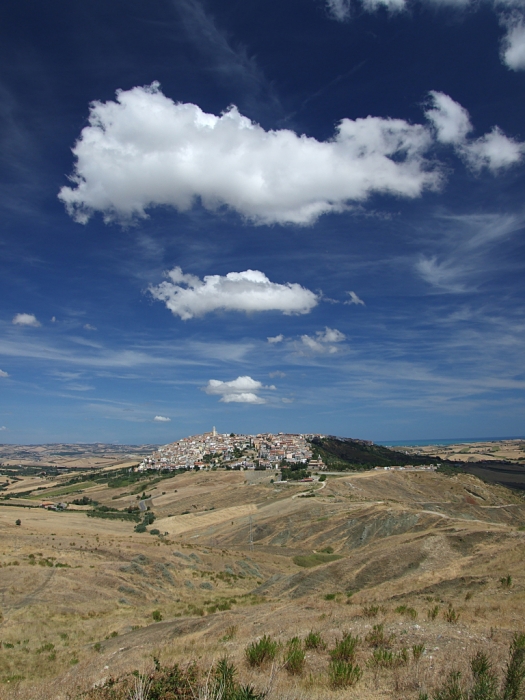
(465, 248)
(250, 291)
(354, 299)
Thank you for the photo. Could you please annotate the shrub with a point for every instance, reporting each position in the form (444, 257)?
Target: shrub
(405, 610)
(330, 596)
(432, 613)
(451, 615)
(156, 615)
(342, 674)
(154, 531)
(381, 658)
(485, 680)
(515, 675)
(417, 651)
(222, 685)
(370, 610)
(18, 522)
(258, 653)
(294, 656)
(451, 688)
(313, 640)
(506, 581)
(345, 649)
(140, 527)
(377, 637)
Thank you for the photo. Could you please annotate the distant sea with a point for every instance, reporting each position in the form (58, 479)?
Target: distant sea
(452, 441)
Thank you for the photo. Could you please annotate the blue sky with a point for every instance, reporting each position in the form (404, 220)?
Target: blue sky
(299, 216)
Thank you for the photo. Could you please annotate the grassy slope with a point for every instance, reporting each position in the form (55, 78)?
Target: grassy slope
(415, 539)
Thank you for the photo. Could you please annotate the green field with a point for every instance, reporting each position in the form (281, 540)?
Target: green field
(64, 490)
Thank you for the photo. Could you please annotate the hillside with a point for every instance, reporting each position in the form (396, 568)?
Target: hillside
(88, 599)
(347, 453)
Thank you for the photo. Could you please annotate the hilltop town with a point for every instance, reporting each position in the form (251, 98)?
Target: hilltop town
(263, 451)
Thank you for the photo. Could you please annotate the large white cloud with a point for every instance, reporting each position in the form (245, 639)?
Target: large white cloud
(188, 296)
(452, 123)
(240, 390)
(26, 320)
(145, 150)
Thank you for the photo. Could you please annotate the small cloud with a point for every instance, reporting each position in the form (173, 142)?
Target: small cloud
(3, 428)
(3, 374)
(162, 419)
(513, 49)
(240, 390)
(26, 320)
(354, 299)
(276, 338)
(188, 296)
(89, 327)
(285, 400)
(53, 319)
(323, 342)
(277, 373)
(451, 121)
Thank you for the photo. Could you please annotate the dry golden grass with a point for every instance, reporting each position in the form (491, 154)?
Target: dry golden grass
(412, 540)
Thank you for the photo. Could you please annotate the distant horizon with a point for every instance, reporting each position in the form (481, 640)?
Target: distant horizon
(385, 443)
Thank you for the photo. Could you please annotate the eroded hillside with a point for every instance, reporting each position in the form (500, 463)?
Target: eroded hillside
(88, 598)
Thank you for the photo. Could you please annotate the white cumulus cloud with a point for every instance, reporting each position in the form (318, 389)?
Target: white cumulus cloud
(452, 123)
(3, 374)
(162, 419)
(145, 150)
(26, 320)
(354, 299)
(451, 120)
(323, 341)
(513, 49)
(273, 339)
(188, 296)
(240, 390)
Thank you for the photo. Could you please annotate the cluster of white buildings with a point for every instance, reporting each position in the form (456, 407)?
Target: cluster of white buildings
(264, 450)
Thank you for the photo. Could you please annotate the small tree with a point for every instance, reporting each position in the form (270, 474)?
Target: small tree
(18, 522)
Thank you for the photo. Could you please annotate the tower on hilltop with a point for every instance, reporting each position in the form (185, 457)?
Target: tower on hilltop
(214, 432)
